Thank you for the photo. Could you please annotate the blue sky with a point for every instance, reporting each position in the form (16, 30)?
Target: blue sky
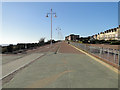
(24, 22)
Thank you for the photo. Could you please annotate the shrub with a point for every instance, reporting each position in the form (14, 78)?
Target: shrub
(10, 48)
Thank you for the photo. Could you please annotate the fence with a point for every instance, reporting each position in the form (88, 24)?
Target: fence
(108, 54)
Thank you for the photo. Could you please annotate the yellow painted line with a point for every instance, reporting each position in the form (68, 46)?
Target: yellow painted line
(98, 60)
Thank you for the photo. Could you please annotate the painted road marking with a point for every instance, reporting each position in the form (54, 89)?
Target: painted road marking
(58, 49)
(98, 60)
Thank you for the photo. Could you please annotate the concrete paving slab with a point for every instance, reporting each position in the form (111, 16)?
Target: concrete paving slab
(64, 71)
(15, 65)
(9, 58)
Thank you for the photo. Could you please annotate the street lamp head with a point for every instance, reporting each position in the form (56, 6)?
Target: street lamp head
(47, 15)
(55, 15)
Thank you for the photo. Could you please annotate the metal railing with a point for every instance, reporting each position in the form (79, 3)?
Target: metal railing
(108, 54)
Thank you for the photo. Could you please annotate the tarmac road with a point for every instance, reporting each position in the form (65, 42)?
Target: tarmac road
(69, 68)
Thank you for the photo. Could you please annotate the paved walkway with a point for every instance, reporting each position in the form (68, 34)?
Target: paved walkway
(65, 48)
(15, 65)
(66, 69)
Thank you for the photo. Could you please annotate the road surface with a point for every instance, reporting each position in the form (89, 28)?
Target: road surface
(68, 68)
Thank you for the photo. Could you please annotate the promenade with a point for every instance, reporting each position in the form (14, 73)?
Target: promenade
(62, 66)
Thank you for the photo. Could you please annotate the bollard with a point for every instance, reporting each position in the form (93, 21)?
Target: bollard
(100, 51)
(108, 54)
(90, 49)
(78, 45)
(114, 54)
(119, 57)
(85, 47)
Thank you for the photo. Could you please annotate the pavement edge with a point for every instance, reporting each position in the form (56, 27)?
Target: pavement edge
(98, 60)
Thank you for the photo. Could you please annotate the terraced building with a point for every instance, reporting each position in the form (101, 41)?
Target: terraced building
(111, 34)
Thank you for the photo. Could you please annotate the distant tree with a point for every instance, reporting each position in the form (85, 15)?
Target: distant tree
(49, 41)
(10, 48)
(4, 49)
(20, 46)
(41, 41)
(0, 49)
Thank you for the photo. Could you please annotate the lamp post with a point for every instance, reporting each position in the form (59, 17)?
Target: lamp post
(58, 29)
(51, 13)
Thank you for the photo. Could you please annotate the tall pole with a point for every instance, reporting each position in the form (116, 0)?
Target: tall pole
(58, 29)
(58, 34)
(51, 26)
(51, 13)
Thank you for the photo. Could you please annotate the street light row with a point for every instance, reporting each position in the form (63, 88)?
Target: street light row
(52, 13)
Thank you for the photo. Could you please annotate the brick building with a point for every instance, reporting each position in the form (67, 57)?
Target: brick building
(72, 37)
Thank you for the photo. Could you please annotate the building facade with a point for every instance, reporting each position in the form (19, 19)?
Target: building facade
(72, 37)
(111, 34)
